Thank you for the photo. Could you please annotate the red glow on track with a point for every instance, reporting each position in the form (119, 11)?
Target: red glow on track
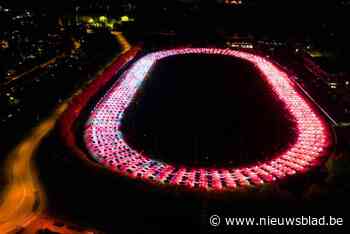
(106, 143)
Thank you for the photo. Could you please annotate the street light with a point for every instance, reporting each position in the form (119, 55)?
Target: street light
(103, 18)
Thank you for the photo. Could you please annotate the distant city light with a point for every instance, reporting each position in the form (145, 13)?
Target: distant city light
(332, 85)
(245, 45)
(103, 18)
(233, 2)
(4, 44)
(124, 18)
(106, 143)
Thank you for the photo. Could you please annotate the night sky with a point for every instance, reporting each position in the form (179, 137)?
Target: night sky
(61, 4)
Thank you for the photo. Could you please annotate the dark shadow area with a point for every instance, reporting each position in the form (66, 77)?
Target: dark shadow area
(207, 110)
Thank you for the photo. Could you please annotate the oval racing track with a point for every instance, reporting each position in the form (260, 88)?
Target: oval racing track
(105, 141)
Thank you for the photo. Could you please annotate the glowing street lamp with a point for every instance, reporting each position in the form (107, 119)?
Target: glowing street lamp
(125, 18)
(103, 18)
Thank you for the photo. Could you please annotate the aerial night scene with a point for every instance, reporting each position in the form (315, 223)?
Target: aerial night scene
(174, 116)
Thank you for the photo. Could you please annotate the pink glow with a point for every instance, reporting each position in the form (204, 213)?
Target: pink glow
(106, 144)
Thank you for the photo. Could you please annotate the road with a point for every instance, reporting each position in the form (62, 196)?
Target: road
(23, 199)
(122, 41)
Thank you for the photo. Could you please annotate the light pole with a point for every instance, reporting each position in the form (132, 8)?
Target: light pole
(76, 15)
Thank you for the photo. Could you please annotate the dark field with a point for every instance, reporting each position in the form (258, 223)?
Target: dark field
(204, 110)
